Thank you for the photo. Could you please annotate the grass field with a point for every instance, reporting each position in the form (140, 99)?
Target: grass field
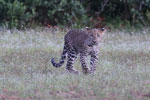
(26, 73)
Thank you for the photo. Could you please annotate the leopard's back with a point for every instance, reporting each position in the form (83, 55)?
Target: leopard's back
(78, 39)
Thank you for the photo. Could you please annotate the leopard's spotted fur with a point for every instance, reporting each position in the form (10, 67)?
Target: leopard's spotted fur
(83, 42)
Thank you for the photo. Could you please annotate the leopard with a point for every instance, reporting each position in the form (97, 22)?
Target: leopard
(82, 42)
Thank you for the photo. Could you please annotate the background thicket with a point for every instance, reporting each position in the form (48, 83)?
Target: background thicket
(119, 13)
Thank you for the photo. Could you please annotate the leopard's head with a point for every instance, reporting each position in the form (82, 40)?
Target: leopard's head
(95, 35)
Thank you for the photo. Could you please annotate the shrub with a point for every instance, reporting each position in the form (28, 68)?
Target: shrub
(13, 14)
(134, 11)
(20, 13)
(62, 12)
(54, 12)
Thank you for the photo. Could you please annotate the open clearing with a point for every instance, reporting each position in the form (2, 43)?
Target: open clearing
(123, 71)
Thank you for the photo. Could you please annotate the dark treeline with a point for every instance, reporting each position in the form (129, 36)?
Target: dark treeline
(21, 13)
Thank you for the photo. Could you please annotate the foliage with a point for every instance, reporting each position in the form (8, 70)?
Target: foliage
(20, 13)
(134, 12)
(53, 12)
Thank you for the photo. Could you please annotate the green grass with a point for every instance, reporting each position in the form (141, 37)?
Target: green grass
(26, 73)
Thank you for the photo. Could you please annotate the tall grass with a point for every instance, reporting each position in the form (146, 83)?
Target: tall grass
(123, 71)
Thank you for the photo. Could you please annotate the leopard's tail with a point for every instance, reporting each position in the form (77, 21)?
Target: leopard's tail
(62, 60)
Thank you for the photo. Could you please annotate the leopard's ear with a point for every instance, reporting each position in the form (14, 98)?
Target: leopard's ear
(102, 29)
(87, 28)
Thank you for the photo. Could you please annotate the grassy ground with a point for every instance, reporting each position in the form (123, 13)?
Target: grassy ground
(123, 71)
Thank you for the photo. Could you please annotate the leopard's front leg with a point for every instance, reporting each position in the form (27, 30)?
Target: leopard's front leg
(93, 61)
(85, 68)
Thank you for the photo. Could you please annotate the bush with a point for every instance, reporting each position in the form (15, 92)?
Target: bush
(54, 12)
(134, 11)
(3, 11)
(20, 13)
(63, 12)
(13, 14)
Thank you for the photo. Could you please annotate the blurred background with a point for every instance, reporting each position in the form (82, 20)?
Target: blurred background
(75, 13)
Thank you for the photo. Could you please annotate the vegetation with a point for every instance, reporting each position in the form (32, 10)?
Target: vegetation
(119, 13)
(26, 72)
